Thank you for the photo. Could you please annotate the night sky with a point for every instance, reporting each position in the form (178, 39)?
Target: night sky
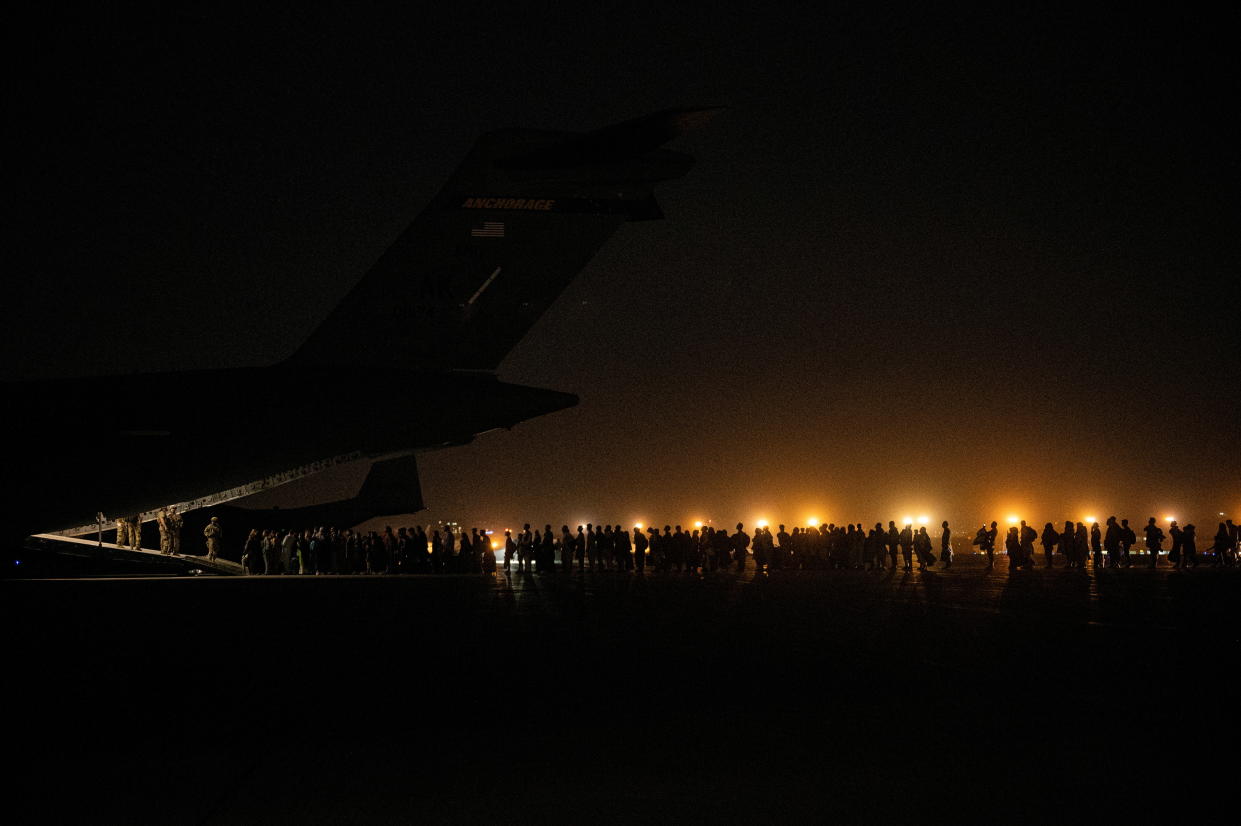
(962, 266)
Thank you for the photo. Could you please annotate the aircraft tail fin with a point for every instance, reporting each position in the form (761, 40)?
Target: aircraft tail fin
(521, 216)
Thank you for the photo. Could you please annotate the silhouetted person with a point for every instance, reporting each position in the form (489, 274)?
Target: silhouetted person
(1068, 545)
(1222, 546)
(988, 547)
(893, 542)
(722, 547)
(945, 545)
(907, 546)
(603, 539)
(1154, 541)
(1177, 535)
(452, 561)
(592, 546)
(579, 549)
(780, 555)
(566, 549)
(251, 552)
(1012, 546)
(488, 556)
(271, 562)
(1127, 540)
(741, 541)
(1028, 537)
(922, 546)
(1189, 547)
(525, 548)
(640, 544)
(623, 548)
(1111, 542)
(1049, 539)
(1081, 545)
(1096, 544)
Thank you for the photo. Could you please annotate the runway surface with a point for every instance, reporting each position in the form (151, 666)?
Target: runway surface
(610, 698)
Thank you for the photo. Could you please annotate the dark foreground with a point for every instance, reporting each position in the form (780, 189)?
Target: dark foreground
(962, 695)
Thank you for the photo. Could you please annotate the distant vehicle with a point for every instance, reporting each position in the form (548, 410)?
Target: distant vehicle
(425, 330)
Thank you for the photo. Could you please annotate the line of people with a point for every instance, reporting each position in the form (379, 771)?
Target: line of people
(1107, 547)
(611, 547)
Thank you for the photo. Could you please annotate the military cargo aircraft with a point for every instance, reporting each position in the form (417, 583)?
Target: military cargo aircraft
(430, 322)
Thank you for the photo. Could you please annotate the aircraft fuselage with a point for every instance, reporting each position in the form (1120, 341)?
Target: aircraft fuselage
(133, 443)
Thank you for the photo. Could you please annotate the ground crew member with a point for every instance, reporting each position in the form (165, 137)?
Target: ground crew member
(212, 533)
(122, 532)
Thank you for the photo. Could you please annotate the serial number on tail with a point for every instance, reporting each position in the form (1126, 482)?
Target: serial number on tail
(539, 205)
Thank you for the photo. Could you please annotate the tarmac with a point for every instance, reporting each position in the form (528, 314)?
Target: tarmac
(963, 695)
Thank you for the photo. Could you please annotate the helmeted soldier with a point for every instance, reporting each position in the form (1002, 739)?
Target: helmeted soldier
(174, 521)
(213, 535)
(162, 522)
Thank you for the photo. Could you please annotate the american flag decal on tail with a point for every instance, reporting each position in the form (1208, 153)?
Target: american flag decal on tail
(489, 229)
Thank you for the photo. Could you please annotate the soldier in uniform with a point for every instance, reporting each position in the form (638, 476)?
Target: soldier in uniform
(135, 532)
(212, 534)
(174, 531)
(162, 522)
(122, 532)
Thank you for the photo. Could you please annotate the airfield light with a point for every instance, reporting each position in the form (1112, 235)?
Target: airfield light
(922, 520)
(813, 521)
(697, 523)
(1013, 520)
(762, 523)
(638, 525)
(1090, 520)
(495, 546)
(908, 520)
(1169, 519)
